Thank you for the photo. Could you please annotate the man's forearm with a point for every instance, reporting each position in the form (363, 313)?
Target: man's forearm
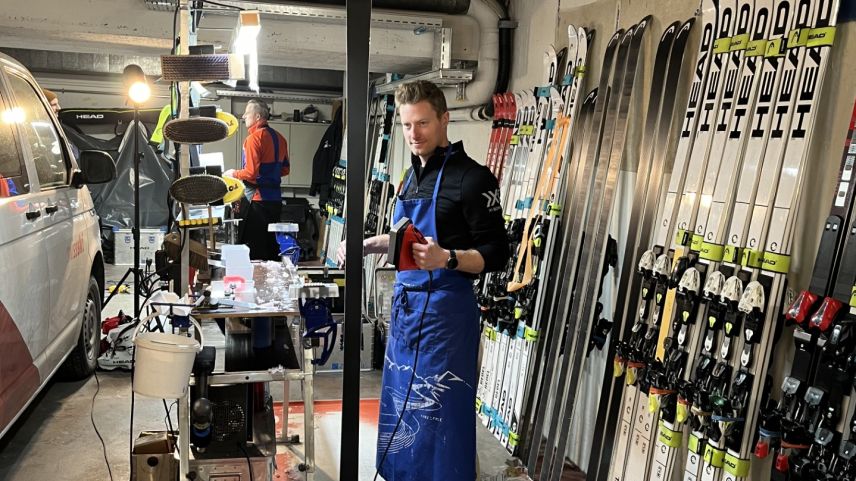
(378, 244)
(470, 261)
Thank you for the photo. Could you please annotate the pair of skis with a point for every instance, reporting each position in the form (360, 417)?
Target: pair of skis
(509, 333)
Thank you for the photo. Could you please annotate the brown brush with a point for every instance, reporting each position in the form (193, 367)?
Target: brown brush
(186, 68)
(196, 130)
(198, 251)
(200, 189)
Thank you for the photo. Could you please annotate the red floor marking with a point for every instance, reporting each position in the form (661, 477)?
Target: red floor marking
(286, 463)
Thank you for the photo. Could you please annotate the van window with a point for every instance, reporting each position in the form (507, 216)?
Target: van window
(40, 133)
(13, 174)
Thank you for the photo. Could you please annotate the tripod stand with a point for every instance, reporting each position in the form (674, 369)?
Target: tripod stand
(135, 230)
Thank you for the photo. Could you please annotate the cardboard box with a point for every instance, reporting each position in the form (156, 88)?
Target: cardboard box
(153, 458)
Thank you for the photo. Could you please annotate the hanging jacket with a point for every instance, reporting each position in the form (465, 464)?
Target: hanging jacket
(328, 154)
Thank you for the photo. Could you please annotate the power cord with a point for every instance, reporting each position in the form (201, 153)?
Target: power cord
(249, 463)
(412, 377)
(98, 433)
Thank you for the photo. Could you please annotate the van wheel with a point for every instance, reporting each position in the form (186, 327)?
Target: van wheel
(83, 359)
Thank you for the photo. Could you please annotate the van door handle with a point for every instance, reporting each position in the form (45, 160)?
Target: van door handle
(51, 209)
(33, 214)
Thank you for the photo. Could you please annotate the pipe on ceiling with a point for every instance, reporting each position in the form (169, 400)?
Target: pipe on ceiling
(496, 31)
(450, 7)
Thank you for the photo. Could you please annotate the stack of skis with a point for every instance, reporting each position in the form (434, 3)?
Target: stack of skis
(702, 281)
(712, 279)
(380, 192)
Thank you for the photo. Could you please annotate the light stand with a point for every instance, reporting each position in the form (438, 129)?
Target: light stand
(138, 92)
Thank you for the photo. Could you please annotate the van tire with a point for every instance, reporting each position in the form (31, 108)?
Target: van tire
(82, 361)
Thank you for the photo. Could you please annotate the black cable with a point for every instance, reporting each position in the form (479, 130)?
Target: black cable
(131, 425)
(168, 419)
(249, 463)
(92, 420)
(412, 377)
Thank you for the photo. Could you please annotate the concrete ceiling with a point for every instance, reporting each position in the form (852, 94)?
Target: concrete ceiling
(134, 28)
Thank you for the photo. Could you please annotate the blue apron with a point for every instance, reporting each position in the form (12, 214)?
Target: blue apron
(268, 177)
(436, 439)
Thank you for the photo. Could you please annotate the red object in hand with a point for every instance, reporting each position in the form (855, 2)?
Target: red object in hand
(401, 239)
(406, 262)
(827, 313)
(799, 310)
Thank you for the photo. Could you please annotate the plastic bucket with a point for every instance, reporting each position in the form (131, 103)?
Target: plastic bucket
(164, 362)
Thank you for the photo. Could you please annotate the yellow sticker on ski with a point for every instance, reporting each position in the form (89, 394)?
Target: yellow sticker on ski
(530, 334)
(713, 456)
(821, 37)
(722, 45)
(697, 241)
(731, 254)
(711, 252)
(739, 468)
(756, 48)
(798, 37)
(853, 296)
(739, 42)
(668, 437)
(752, 258)
(773, 262)
(694, 444)
(774, 48)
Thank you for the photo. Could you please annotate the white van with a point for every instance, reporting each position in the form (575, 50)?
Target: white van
(51, 266)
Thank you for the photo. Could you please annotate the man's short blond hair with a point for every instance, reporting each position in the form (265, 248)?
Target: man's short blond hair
(421, 90)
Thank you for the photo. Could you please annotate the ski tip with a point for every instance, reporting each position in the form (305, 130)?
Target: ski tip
(688, 25)
(670, 30)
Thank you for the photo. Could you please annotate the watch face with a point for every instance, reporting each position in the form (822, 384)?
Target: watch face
(452, 263)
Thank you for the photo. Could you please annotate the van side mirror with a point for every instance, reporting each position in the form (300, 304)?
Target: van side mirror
(96, 167)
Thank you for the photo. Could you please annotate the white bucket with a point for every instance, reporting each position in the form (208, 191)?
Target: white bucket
(164, 362)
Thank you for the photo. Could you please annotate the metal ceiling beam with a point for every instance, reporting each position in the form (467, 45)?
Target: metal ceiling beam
(293, 78)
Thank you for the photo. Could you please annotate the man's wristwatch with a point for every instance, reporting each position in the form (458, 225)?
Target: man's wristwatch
(452, 263)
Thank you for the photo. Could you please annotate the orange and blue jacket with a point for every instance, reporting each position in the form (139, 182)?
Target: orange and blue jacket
(264, 161)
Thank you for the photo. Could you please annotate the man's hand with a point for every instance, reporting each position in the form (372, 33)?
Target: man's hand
(230, 173)
(430, 256)
(340, 254)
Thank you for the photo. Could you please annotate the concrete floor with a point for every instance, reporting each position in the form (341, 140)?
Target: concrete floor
(55, 439)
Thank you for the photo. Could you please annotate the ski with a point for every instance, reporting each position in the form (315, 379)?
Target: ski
(592, 247)
(667, 68)
(536, 397)
(548, 228)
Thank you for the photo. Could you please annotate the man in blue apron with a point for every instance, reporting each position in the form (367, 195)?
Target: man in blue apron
(264, 161)
(426, 430)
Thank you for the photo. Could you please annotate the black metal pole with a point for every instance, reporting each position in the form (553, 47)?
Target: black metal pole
(356, 95)
(136, 232)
